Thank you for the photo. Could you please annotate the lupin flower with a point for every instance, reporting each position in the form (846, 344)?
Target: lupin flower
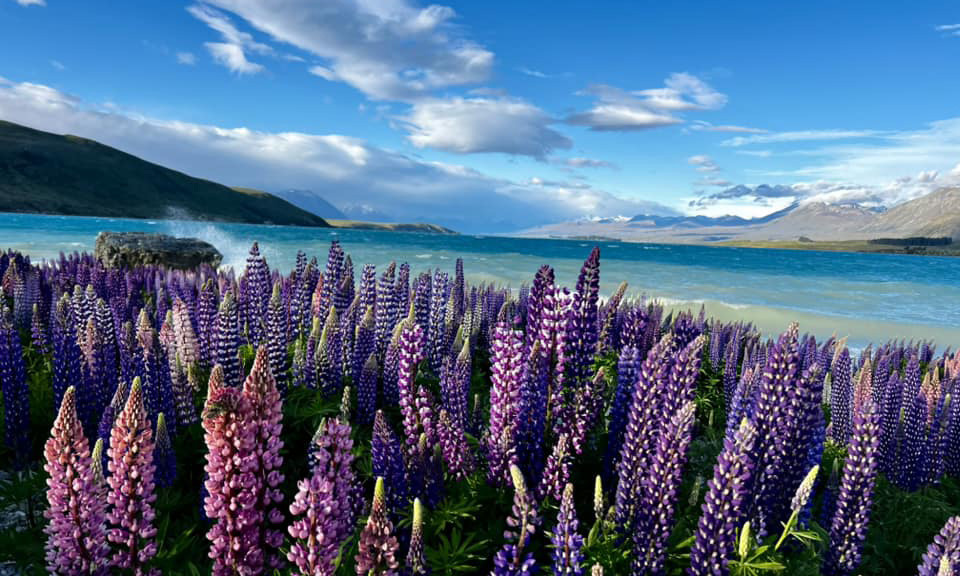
(514, 559)
(386, 311)
(716, 534)
(627, 366)
(16, 392)
(660, 490)
(410, 355)
(76, 539)
(387, 461)
(277, 337)
(227, 340)
(438, 300)
(256, 279)
(456, 451)
(566, 541)
(943, 555)
(262, 421)
(416, 560)
(364, 342)
(315, 509)
(378, 547)
(367, 389)
(131, 496)
(330, 456)
(556, 472)
(852, 516)
(505, 378)
(841, 397)
(641, 430)
(166, 459)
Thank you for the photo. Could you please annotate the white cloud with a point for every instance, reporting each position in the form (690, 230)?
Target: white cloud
(324, 72)
(703, 163)
(802, 136)
(186, 58)
(58, 65)
(580, 162)
(31, 2)
(618, 110)
(231, 53)
(707, 126)
(389, 50)
(950, 29)
(469, 125)
(342, 169)
(232, 57)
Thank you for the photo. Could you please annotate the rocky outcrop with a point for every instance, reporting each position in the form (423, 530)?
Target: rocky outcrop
(127, 249)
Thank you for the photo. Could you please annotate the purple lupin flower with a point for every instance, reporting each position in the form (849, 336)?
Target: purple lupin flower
(38, 333)
(641, 431)
(256, 278)
(206, 321)
(416, 559)
(324, 505)
(227, 341)
(364, 342)
(131, 495)
(387, 461)
(455, 384)
(329, 355)
(716, 536)
(76, 538)
(262, 421)
(386, 310)
(402, 287)
(411, 353)
(841, 398)
(627, 366)
(456, 450)
(942, 557)
(378, 547)
(315, 509)
(332, 277)
(566, 541)
(438, 301)
(582, 322)
(367, 390)
(16, 392)
(556, 472)
(513, 558)
(660, 490)
(277, 337)
(67, 358)
(848, 528)
(505, 376)
(164, 456)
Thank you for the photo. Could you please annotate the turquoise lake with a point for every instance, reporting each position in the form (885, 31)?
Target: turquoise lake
(865, 297)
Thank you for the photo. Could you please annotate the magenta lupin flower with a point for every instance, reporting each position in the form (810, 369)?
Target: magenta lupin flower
(331, 457)
(317, 512)
(262, 421)
(456, 450)
(76, 539)
(377, 554)
(506, 375)
(131, 495)
(229, 483)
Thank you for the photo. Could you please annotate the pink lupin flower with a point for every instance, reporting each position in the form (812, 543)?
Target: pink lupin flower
(131, 489)
(76, 541)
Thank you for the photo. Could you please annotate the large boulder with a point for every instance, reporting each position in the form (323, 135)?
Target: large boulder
(131, 249)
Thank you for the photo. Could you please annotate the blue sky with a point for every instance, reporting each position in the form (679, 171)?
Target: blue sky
(501, 115)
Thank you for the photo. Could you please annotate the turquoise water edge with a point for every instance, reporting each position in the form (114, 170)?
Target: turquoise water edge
(865, 297)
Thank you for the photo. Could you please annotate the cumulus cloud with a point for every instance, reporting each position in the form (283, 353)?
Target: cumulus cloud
(340, 168)
(469, 125)
(620, 110)
(392, 50)
(232, 51)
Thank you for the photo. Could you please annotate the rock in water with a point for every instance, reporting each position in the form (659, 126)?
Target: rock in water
(129, 249)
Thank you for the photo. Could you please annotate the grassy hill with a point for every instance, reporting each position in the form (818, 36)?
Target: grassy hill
(47, 173)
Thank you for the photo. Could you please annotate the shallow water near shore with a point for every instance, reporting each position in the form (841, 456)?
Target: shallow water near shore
(865, 297)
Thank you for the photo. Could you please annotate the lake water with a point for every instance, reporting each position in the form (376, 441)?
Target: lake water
(866, 297)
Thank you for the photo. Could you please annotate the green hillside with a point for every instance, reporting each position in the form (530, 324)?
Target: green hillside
(47, 173)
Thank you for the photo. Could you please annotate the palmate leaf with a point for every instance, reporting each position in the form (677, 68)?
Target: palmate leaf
(456, 554)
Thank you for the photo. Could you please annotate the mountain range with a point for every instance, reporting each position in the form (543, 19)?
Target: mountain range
(936, 214)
